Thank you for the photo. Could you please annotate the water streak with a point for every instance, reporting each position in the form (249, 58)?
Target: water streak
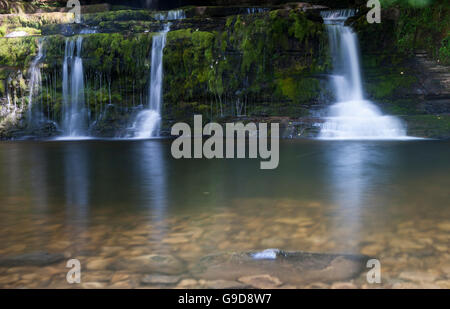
(34, 113)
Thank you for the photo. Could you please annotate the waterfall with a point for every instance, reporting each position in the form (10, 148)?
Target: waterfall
(352, 116)
(256, 10)
(170, 15)
(34, 113)
(74, 113)
(147, 122)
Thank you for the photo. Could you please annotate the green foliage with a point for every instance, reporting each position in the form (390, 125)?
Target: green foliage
(423, 25)
(444, 51)
(117, 16)
(17, 52)
(250, 61)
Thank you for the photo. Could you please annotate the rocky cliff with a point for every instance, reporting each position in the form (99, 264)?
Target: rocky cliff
(228, 62)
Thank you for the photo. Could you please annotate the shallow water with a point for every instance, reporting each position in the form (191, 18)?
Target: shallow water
(103, 202)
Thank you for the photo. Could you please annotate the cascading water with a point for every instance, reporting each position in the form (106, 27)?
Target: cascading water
(34, 113)
(352, 117)
(147, 122)
(170, 15)
(74, 113)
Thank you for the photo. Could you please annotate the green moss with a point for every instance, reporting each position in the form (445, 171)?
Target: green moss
(429, 126)
(118, 16)
(388, 85)
(17, 52)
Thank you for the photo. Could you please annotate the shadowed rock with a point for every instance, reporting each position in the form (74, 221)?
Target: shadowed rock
(292, 267)
(31, 259)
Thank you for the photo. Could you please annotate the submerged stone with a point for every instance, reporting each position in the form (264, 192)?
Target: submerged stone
(31, 259)
(160, 279)
(291, 267)
(163, 264)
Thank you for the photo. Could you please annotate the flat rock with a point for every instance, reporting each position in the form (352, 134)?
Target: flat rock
(31, 259)
(343, 285)
(223, 284)
(261, 281)
(418, 276)
(160, 279)
(445, 226)
(290, 267)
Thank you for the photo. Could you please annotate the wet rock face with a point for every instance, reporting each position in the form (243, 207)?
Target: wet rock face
(295, 267)
(31, 259)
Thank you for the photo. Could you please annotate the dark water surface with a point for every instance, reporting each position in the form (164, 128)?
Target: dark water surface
(108, 200)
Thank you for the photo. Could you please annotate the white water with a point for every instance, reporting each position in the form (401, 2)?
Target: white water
(170, 15)
(74, 113)
(34, 114)
(352, 116)
(147, 123)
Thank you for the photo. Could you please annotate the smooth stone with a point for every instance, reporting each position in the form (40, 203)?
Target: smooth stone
(120, 285)
(100, 276)
(223, 284)
(372, 250)
(272, 242)
(294, 221)
(98, 264)
(261, 281)
(443, 284)
(318, 285)
(343, 285)
(445, 226)
(9, 279)
(92, 285)
(30, 277)
(187, 283)
(405, 244)
(291, 267)
(160, 279)
(446, 269)
(164, 264)
(410, 285)
(418, 276)
(175, 240)
(119, 277)
(31, 259)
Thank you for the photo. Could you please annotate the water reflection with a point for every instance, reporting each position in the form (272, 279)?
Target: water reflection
(151, 166)
(354, 168)
(38, 179)
(76, 182)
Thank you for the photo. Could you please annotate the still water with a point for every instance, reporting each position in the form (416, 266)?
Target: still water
(106, 201)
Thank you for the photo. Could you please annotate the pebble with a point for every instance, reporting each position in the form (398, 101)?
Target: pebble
(261, 281)
(92, 285)
(418, 276)
(160, 279)
(98, 264)
(222, 284)
(343, 285)
(185, 283)
(445, 226)
(372, 250)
